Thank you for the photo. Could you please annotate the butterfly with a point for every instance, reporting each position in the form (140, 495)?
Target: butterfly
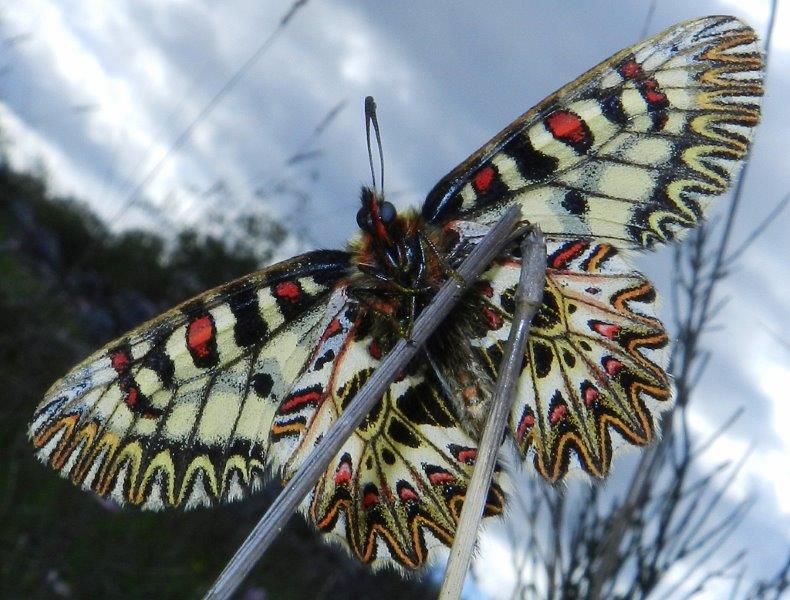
(202, 403)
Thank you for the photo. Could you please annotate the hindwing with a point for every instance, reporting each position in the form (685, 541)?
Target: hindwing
(395, 489)
(593, 379)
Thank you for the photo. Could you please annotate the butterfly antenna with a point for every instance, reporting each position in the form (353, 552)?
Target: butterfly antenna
(371, 118)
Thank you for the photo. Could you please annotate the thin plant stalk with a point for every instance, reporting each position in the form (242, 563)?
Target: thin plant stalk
(528, 299)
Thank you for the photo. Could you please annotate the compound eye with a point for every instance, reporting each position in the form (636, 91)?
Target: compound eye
(387, 213)
(363, 219)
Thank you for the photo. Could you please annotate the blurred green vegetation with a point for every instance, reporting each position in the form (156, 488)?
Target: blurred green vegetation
(67, 285)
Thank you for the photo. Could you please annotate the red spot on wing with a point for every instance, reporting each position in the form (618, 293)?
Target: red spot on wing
(527, 421)
(567, 254)
(407, 494)
(440, 477)
(494, 319)
(309, 397)
(483, 178)
(371, 498)
(648, 87)
(631, 69)
(467, 456)
(120, 360)
(608, 330)
(590, 395)
(653, 95)
(567, 126)
(288, 290)
(343, 474)
(332, 329)
(558, 414)
(132, 397)
(487, 290)
(200, 333)
(612, 366)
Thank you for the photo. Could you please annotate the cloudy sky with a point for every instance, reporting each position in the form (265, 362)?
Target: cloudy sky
(98, 95)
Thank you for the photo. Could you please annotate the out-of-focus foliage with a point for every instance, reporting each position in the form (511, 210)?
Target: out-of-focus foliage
(67, 285)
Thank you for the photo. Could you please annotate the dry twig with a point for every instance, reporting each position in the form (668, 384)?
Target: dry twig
(528, 299)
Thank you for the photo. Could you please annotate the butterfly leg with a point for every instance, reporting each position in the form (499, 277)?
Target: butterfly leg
(377, 308)
(412, 316)
(445, 266)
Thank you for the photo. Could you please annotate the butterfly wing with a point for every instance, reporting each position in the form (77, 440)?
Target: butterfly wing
(193, 406)
(178, 411)
(593, 380)
(631, 152)
(395, 489)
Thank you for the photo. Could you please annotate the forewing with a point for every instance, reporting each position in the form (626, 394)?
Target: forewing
(629, 153)
(594, 378)
(177, 412)
(395, 489)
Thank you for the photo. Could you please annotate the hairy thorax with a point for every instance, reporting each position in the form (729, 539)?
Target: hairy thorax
(400, 264)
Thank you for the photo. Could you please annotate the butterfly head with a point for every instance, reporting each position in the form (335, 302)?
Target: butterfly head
(377, 217)
(391, 246)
